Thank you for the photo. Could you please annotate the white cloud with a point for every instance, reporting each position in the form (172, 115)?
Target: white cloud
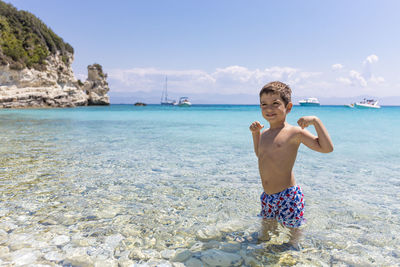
(371, 59)
(367, 68)
(149, 79)
(237, 79)
(337, 66)
(357, 78)
(344, 80)
(377, 79)
(364, 79)
(228, 80)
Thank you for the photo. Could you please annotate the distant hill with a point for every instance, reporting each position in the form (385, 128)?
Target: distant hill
(26, 41)
(245, 99)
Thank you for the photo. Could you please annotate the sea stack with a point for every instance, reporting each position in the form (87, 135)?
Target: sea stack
(96, 86)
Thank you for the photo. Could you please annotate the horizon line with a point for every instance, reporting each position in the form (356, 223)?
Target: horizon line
(221, 104)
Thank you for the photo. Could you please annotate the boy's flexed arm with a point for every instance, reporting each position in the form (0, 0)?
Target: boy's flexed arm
(323, 142)
(255, 128)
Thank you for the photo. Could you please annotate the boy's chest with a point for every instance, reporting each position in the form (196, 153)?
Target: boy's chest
(274, 144)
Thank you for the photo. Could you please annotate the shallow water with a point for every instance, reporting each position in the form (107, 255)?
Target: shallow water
(163, 185)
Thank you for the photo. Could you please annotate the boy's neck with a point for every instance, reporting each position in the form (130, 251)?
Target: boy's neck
(277, 125)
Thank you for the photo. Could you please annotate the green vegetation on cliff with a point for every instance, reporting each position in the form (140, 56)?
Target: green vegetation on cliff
(100, 70)
(25, 41)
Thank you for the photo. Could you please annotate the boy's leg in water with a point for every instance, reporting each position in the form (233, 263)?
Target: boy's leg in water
(293, 243)
(295, 236)
(269, 227)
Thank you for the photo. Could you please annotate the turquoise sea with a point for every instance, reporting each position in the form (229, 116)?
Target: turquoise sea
(171, 186)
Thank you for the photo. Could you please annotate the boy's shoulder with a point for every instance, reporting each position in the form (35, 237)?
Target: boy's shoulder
(293, 131)
(288, 128)
(293, 128)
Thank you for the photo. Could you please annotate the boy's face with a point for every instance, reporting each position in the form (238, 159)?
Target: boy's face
(273, 108)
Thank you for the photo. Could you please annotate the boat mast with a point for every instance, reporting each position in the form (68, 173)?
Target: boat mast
(166, 89)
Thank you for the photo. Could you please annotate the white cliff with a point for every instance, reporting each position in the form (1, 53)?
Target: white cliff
(56, 86)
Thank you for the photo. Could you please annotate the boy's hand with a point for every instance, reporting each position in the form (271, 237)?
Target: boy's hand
(306, 121)
(256, 127)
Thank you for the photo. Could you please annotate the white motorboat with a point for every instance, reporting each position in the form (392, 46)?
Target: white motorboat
(367, 103)
(311, 101)
(184, 102)
(164, 96)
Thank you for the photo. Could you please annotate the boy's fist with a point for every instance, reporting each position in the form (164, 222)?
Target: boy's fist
(305, 121)
(256, 127)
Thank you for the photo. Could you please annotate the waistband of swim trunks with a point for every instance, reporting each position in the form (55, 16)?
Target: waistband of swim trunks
(289, 189)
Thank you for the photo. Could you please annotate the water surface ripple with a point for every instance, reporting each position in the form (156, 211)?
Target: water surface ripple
(170, 186)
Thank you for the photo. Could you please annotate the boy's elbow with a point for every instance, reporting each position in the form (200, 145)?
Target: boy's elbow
(328, 149)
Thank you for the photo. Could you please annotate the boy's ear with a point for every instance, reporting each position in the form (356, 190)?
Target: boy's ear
(289, 107)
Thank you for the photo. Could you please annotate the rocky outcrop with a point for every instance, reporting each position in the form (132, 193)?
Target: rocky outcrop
(54, 87)
(35, 66)
(96, 86)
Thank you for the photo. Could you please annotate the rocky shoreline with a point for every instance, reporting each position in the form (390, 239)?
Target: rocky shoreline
(56, 86)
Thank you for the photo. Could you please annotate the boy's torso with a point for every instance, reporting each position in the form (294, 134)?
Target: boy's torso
(277, 153)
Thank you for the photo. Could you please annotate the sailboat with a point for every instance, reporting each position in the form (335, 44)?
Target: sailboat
(164, 96)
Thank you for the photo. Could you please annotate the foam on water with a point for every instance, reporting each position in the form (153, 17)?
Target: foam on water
(125, 184)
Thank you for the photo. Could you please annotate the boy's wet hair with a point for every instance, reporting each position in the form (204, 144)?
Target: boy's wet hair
(280, 88)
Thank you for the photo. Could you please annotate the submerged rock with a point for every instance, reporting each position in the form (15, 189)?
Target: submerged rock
(105, 263)
(137, 254)
(287, 260)
(182, 255)
(24, 256)
(193, 262)
(167, 254)
(215, 257)
(230, 246)
(112, 241)
(61, 240)
(83, 261)
(54, 256)
(208, 233)
(4, 251)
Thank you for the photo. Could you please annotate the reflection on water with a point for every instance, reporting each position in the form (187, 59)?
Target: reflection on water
(86, 192)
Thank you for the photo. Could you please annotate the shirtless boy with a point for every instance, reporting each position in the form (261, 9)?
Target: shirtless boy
(276, 149)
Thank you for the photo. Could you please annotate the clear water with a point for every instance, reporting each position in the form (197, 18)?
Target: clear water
(158, 185)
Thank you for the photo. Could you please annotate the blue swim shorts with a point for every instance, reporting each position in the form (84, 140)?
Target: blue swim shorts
(287, 207)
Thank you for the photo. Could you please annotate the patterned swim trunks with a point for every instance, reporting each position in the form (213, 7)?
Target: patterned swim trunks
(287, 207)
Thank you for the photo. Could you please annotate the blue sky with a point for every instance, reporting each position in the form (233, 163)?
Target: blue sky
(226, 50)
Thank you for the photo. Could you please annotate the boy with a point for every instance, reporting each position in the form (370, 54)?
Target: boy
(276, 149)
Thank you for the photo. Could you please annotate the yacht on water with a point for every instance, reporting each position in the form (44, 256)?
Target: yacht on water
(164, 96)
(184, 102)
(311, 101)
(367, 103)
